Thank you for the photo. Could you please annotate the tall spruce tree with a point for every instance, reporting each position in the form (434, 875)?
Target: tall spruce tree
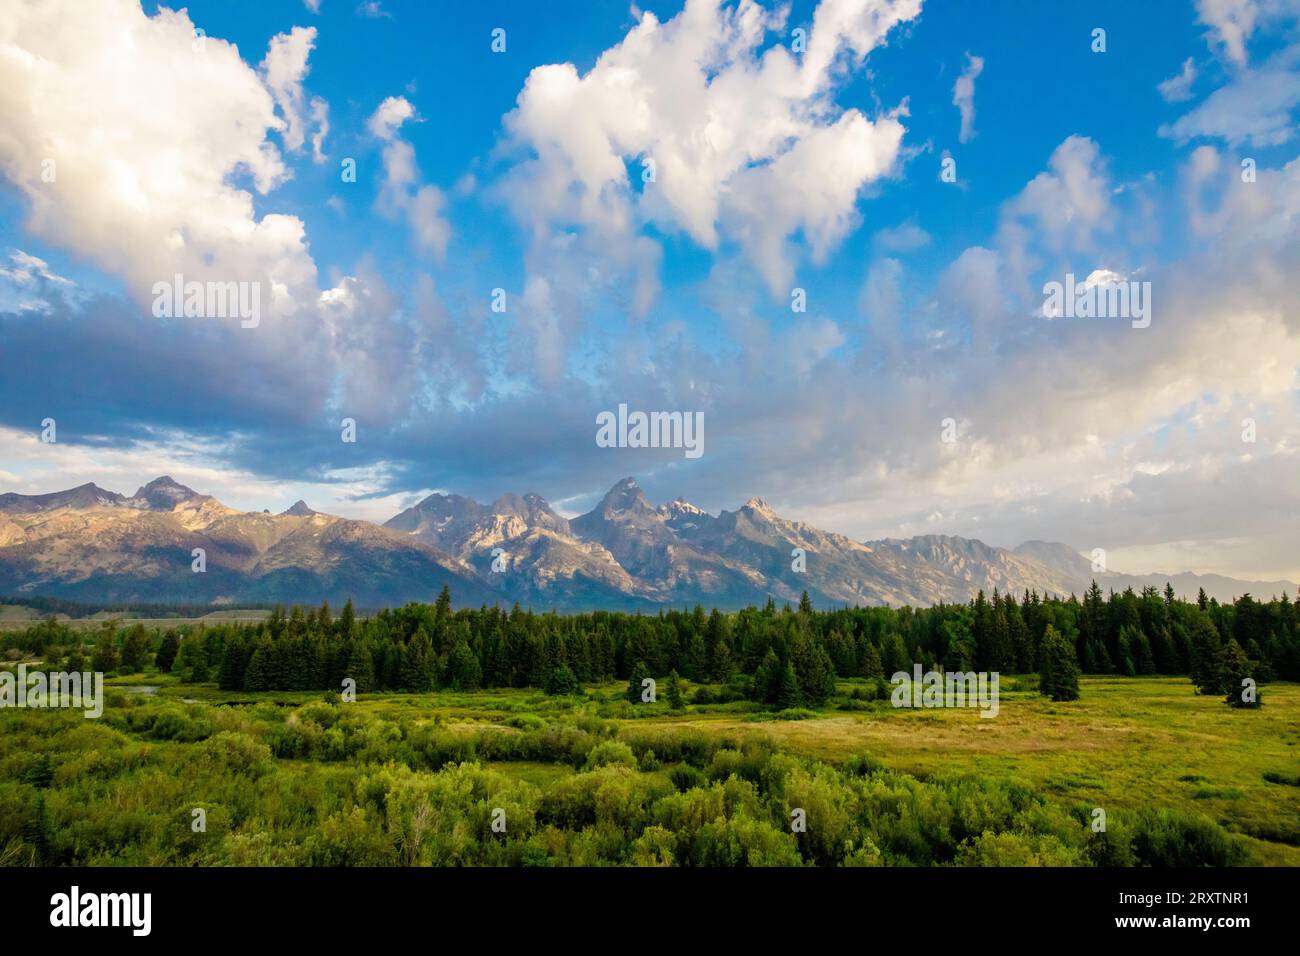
(640, 673)
(1239, 674)
(675, 699)
(1059, 677)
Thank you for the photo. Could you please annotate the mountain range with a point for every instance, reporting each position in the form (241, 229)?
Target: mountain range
(93, 545)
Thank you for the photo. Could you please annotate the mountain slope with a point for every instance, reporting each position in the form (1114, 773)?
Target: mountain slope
(95, 545)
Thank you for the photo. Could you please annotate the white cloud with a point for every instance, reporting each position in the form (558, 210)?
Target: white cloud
(320, 116)
(1231, 23)
(1255, 107)
(402, 192)
(389, 116)
(881, 302)
(145, 147)
(39, 468)
(722, 124)
(905, 237)
(23, 287)
(1178, 87)
(963, 96)
(810, 190)
(28, 268)
(1071, 200)
(284, 67)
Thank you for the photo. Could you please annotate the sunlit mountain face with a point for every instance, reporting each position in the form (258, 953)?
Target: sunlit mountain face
(96, 546)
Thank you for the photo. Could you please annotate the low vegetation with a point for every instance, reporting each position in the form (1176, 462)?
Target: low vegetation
(494, 738)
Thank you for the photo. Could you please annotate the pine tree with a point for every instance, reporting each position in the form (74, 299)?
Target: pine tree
(234, 664)
(1059, 678)
(1022, 645)
(442, 607)
(257, 675)
(721, 666)
(675, 699)
(1238, 671)
(767, 678)
(813, 670)
(639, 674)
(135, 646)
(1143, 657)
(697, 658)
(347, 621)
(38, 834)
(416, 669)
(1126, 651)
(105, 656)
(166, 655)
(1207, 658)
(871, 664)
(360, 665)
(463, 670)
(895, 655)
(561, 682)
(787, 689)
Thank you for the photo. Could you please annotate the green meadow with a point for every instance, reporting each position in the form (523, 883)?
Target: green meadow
(516, 777)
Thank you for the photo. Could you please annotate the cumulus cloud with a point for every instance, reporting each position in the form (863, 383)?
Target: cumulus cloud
(723, 126)
(1067, 208)
(1256, 107)
(145, 153)
(1178, 87)
(389, 116)
(402, 192)
(963, 96)
(905, 237)
(284, 68)
(1231, 23)
(320, 117)
(144, 148)
(27, 283)
(1078, 429)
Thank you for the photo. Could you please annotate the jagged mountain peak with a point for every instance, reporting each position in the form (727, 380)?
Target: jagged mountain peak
(623, 553)
(626, 496)
(509, 504)
(680, 506)
(164, 493)
(531, 508)
(88, 495)
(439, 505)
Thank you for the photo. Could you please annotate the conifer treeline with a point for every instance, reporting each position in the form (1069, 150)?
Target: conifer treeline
(424, 647)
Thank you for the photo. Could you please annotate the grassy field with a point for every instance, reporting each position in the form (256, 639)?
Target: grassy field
(1127, 743)
(1130, 744)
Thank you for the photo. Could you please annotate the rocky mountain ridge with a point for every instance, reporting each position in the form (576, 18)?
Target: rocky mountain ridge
(87, 543)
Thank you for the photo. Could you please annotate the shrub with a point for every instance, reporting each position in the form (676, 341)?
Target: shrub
(234, 753)
(610, 753)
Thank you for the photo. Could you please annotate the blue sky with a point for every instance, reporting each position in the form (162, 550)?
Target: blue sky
(776, 168)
